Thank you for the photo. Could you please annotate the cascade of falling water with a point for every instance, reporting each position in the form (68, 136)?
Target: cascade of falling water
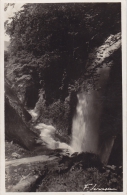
(47, 136)
(86, 122)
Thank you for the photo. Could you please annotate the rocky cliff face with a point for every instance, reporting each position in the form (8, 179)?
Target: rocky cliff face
(16, 118)
(98, 118)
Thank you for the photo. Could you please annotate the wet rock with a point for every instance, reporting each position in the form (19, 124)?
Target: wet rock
(16, 155)
(25, 184)
(111, 167)
(16, 118)
(15, 170)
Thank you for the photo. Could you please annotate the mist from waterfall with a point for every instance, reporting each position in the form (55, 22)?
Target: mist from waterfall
(86, 123)
(87, 119)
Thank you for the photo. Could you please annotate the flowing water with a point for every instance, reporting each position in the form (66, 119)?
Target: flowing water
(87, 118)
(86, 123)
(47, 135)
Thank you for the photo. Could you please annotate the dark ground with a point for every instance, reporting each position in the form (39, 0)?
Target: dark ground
(64, 174)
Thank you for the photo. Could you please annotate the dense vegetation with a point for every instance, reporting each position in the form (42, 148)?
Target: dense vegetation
(50, 58)
(49, 47)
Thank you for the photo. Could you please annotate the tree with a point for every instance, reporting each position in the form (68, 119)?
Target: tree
(51, 43)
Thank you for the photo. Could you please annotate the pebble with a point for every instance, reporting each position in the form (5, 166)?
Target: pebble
(16, 155)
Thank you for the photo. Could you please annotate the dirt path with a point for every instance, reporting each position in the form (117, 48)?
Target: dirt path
(28, 160)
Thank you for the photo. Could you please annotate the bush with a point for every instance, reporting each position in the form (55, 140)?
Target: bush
(56, 114)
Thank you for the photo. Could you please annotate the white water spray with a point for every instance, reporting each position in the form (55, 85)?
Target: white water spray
(47, 135)
(86, 123)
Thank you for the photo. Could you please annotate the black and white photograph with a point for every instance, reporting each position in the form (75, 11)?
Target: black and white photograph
(64, 106)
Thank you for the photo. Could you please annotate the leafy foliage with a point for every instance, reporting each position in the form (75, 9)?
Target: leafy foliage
(50, 43)
(51, 49)
(82, 174)
(57, 113)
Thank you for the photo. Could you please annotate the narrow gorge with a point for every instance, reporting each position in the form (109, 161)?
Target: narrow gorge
(63, 98)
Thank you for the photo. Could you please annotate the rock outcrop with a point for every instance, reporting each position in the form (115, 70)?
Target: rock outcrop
(16, 118)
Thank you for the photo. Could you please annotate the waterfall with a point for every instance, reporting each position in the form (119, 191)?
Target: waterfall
(47, 134)
(87, 118)
(86, 122)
